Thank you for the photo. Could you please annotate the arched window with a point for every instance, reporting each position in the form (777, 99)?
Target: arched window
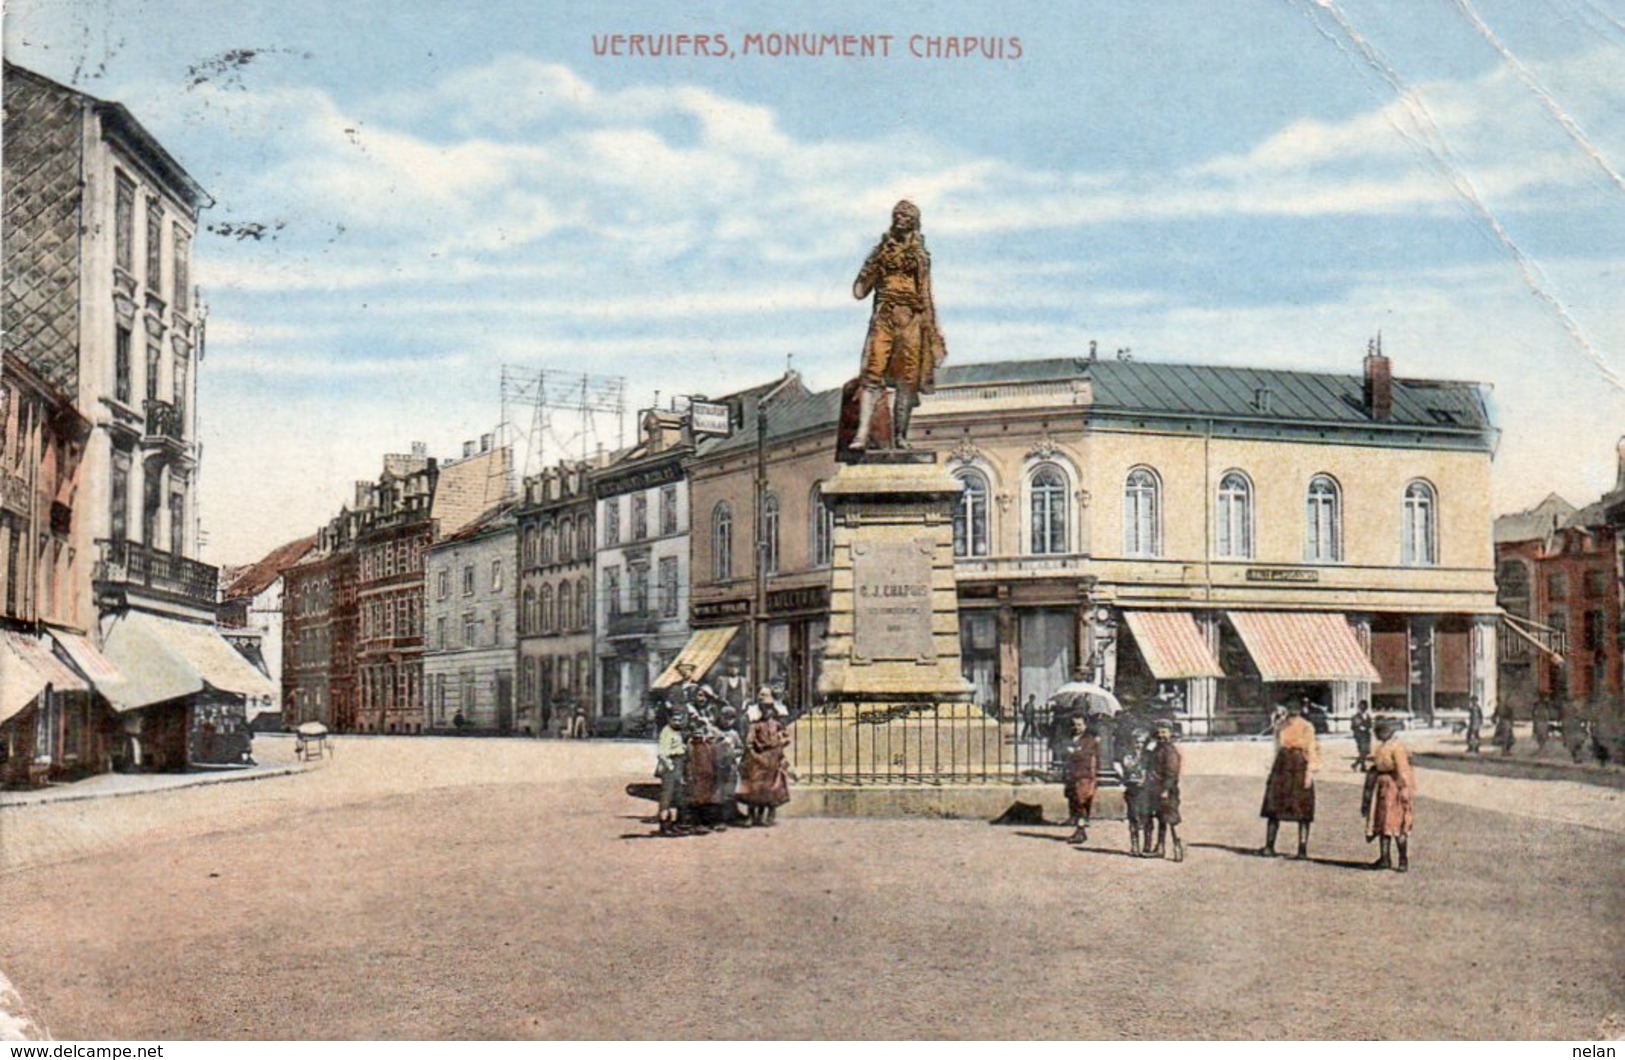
(583, 616)
(970, 515)
(1420, 543)
(584, 534)
(525, 613)
(1323, 521)
(770, 534)
(1142, 513)
(583, 674)
(821, 528)
(1235, 529)
(566, 541)
(547, 609)
(722, 542)
(1047, 489)
(566, 607)
(530, 546)
(564, 680)
(547, 543)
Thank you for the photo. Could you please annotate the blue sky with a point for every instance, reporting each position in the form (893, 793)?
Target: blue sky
(450, 188)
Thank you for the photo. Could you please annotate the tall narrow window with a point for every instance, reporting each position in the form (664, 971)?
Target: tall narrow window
(1048, 501)
(770, 534)
(1235, 529)
(121, 364)
(152, 503)
(612, 521)
(821, 528)
(1419, 546)
(640, 517)
(547, 609)
(638, 583)
(722, 542)
(612, 589)
(1323, 522)
(177, 523)
(182, 270)
(527, 613)
(1142, 513)
(668, 587)
(154, 359)
(124, 224)
(566, 607)
(119, 497)
(970, 515)
(583, 615)
(668, 510)
(155, 246)
(179, 390)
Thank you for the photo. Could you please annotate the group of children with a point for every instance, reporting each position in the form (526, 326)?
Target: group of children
(714, 758)
(1148, 767)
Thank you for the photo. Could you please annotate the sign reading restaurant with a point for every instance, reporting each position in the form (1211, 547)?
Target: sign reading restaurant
(640, 479)
(709, 417)
(1282, 574)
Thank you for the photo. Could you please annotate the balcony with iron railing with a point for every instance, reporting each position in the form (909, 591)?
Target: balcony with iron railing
(166, 425)
(130, 564)
(641, 622)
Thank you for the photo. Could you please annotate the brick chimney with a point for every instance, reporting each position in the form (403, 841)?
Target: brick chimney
(1379, 382)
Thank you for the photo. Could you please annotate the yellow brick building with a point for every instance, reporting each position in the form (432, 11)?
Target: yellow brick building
(1224, 538)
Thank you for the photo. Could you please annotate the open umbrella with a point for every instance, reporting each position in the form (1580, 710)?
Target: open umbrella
(1081, 696)
(311, 728)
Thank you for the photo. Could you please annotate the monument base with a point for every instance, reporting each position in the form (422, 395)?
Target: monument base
(901, 743)
(976, 802)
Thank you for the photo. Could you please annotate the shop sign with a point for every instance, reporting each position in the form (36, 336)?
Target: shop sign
(712, 610)
(1282, 574)
(805, 598)
(708, 417)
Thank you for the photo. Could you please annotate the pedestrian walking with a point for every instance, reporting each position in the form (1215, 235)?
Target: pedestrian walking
(1504, 737)
(1082, 777)
(1541, 723)
(1289, 794)
(764, 780)
(1029, 717)
(1475, 723)
(1163, 780)
(1390, 801)
(1360, 726)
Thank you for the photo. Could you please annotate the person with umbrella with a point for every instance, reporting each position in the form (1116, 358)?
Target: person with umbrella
(1082, 776)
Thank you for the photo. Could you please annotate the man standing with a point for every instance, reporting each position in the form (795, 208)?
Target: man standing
(904, 346)
(1082, 777)
(1505, 738)
(671, 753)
(1360, 726)
(1475, 722)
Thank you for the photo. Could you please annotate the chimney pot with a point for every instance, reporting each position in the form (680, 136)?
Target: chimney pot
(468, 449)
(485, 443)
(1379, 385)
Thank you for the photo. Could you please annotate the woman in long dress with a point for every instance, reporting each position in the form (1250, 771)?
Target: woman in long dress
(764, 780)
(1393, 798)
(1289, 794)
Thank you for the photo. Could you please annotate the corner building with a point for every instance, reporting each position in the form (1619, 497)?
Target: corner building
(1226, 538)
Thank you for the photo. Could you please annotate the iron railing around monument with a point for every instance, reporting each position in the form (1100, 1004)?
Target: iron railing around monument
(927, 744)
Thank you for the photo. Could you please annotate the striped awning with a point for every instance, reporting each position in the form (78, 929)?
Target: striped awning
(702, 651)
(1303, 646)
(27, 666)
(1173, 646)
(163, 659)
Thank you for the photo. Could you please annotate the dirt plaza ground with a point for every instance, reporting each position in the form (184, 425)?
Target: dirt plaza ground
(444, 888)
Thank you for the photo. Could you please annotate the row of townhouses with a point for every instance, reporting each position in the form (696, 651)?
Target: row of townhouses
(1225, 538)
(109, 655)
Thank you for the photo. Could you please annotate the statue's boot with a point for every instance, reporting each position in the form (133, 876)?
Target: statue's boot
(868, 398)
(902, 412)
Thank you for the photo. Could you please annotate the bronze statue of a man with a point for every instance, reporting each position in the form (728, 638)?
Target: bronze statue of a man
(904, 346)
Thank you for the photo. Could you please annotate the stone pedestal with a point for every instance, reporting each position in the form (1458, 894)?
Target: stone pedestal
(894, 614)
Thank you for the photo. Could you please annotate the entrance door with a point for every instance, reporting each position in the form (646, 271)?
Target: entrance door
(1046, 651)
(504, 702)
